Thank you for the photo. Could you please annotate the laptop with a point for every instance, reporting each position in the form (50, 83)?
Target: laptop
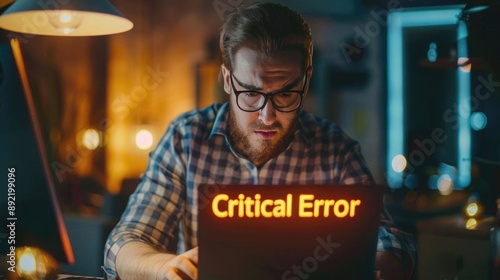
(288, 231)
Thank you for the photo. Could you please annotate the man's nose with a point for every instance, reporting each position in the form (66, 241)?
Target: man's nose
(268, 114)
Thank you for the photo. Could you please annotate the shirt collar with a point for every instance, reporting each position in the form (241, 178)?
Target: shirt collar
(221, 122)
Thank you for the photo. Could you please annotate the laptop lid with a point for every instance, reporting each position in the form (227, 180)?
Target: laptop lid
(288, 232)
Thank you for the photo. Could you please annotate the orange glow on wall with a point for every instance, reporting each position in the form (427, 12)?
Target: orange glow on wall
(140, 91)
(152, 79)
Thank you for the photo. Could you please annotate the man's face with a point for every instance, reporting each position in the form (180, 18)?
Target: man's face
(263, 134)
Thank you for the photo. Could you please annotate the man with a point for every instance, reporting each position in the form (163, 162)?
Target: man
(259, 136)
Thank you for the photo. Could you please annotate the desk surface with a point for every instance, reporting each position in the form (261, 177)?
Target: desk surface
(456, 225)
(77, 277)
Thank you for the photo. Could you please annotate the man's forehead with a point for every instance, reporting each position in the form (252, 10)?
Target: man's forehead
(278, 63)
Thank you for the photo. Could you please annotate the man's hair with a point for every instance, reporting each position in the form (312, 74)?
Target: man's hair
(266, 28)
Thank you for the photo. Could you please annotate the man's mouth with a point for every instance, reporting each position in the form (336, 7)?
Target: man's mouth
(265, 134)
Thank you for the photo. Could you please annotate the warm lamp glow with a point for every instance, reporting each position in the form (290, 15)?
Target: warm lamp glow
(144, 139)
(70, 18)
(66, 21)
(27, 263)
(34, 263)
(471, 223)
(472, 209)
(91, 139)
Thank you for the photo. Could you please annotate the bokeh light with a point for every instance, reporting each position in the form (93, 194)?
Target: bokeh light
(144, 139)
(478, 120)
(445, 184)
(91, 139)
(399, 163)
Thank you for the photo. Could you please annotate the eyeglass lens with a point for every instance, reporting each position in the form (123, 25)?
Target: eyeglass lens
(253, 101)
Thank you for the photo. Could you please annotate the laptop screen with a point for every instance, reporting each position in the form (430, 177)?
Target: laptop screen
(288, 232)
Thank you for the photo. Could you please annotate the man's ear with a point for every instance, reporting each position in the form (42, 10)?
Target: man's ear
(225, 79)
(309, 72)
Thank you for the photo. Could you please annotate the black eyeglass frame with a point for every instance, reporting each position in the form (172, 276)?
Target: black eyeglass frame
(267, 95)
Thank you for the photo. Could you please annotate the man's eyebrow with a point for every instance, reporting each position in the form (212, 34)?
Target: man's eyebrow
(286, 87)
(293, 83)
(246, 86)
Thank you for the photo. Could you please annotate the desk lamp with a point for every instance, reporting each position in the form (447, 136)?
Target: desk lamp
(64, 18)
(55, 18)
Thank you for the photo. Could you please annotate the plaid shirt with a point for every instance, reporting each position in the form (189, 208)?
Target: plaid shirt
(196, 150)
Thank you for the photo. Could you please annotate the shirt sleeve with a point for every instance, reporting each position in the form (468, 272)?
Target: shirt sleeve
(391, 238)
(155, 208)
(354, 167)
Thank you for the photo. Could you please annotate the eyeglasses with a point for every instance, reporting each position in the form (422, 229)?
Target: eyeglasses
(283, 100)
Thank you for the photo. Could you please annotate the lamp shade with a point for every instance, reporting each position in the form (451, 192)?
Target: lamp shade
(64, 18)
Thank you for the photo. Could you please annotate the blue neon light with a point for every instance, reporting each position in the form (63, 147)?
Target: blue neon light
(397, 20)
(464, 133)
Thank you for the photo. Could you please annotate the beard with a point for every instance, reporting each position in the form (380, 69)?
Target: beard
(259, 152)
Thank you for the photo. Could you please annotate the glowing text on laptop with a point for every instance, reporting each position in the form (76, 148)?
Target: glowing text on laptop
(308, 206)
